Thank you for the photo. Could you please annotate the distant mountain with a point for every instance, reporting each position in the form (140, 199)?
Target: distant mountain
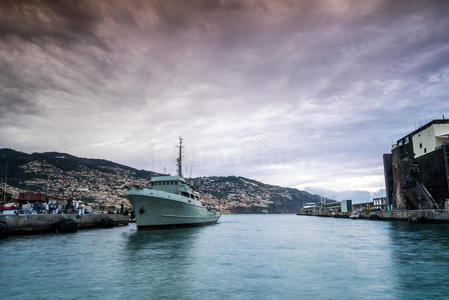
(356, 196)
(243, 195)
(102, 182)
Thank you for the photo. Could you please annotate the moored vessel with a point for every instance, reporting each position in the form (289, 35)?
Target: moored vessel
(170, 202)
(354, 215)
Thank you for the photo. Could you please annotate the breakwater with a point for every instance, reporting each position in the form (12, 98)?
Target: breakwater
(413, 216)
(23, 224)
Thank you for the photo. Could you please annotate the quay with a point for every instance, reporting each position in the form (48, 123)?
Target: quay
(416, 176)
(26, 224)
(434, 216)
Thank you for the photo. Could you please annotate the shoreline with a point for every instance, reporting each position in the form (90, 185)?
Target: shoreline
(428, 216)
(33, 224)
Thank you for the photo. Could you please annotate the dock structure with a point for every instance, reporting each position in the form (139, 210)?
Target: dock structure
(431, 216)
(23, 224)
(416, 181)
(417, 170)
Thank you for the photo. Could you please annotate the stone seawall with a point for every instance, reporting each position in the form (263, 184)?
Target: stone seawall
(19, 224)
(415, 216)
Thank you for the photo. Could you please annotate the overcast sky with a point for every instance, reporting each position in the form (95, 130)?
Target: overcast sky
(306, 94)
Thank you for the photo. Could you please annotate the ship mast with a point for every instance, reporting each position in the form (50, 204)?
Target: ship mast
(179, 160)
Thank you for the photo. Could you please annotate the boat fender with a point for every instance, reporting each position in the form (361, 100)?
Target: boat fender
(106, 222)
(4, 230)
(66, 226)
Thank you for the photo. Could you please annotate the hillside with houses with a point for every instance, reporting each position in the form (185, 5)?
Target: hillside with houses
(101, 183)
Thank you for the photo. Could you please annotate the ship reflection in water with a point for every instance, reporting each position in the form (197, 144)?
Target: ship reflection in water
(244, 257)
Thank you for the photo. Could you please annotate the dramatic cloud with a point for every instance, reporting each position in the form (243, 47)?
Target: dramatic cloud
(296, 93)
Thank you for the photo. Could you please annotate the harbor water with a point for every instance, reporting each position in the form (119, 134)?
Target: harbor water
(242, 257)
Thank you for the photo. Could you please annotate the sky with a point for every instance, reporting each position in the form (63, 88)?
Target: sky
(305, 94)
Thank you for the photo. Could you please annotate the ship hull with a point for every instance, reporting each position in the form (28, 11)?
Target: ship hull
(158, 210)
(172, 226)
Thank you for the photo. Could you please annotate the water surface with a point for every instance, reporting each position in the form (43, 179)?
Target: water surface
(242, 257)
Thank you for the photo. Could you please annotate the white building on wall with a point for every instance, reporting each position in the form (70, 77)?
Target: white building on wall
(430, 138)
(425, 139)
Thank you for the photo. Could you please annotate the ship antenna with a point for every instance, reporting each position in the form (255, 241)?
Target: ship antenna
(179, 160)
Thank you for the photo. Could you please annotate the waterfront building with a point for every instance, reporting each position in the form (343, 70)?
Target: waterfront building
(334, 207)
(346, 206)
(380, 203)
(310, 207)
(363, 206)
(417, 170)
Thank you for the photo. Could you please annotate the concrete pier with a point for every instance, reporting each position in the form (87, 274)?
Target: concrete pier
(22, 224)
(414, 216)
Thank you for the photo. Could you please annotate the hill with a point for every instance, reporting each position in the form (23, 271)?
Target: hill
(243, 195)
(102, 183)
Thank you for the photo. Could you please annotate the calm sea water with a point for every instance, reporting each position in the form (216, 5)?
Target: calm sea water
(242, 257)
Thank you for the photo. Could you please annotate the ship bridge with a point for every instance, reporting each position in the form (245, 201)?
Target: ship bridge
(174, 184)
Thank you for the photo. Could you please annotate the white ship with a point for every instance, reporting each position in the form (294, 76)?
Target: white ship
(169, 202)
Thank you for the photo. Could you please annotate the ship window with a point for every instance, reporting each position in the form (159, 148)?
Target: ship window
(191, 196)
(406, 140)
(425, 150)
(420, 145)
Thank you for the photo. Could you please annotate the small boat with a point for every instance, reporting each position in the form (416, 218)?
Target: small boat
(354, 215)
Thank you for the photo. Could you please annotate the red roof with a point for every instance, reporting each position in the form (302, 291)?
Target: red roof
(31, 196)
